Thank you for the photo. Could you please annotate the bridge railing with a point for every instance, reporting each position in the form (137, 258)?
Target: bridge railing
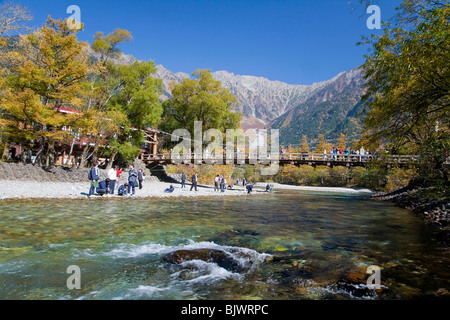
(284, 157)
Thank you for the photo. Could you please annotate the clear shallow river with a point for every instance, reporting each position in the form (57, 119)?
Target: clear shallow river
(289, 245)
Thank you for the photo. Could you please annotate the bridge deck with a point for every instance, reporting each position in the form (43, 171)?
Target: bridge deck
(283, 159)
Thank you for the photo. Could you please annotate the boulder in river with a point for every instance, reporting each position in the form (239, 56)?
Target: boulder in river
(221, 258)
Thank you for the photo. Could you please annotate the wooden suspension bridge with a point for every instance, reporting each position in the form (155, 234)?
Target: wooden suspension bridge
(311, 159)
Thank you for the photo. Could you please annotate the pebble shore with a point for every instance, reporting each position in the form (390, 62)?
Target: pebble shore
(80, 190)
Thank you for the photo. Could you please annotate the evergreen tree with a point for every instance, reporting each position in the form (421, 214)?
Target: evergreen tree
(342, 141)
(304, 147)
(322, 145)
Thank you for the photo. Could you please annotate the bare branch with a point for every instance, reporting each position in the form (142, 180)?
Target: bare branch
(13, 18)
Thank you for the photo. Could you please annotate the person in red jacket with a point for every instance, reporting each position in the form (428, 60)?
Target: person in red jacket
(118, 171)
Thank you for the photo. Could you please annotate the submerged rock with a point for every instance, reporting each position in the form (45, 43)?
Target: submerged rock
(221, 258)
(442, 292)
(355, 275)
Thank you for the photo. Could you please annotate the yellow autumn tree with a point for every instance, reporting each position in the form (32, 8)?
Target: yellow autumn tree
(49, 66)
(342, 141)
(304, 147)
(322, 145)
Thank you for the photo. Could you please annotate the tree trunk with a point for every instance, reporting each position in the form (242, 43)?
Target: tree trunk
(94, 153)
(5, 151)
(111, 159)
(70, 152)
(50, 153)
(84, 154)
(23, 157)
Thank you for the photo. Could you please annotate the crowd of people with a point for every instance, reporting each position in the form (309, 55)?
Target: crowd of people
(337, 153)
(136, 177)
(109, 185)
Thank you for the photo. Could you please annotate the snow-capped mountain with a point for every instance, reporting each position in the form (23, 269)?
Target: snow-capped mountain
(260, 100)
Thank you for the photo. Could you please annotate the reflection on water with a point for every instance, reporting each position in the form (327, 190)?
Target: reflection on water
(289, 245)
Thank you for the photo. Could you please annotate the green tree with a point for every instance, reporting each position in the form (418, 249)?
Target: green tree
(138, 99)
(124, 96)
(100, 86)
(200, 99)
(408, 81)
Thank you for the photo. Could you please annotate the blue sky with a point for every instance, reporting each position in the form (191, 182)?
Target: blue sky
(298, 42)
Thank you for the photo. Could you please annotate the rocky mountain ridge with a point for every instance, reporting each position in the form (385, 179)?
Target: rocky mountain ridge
(260, 100)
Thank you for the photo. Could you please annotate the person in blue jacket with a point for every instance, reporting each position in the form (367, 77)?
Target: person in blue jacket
(122, 191)
(103, 187)
(249, 188)
(194, 180)
(132, 179)
(183, 180)
(93, 178)
(170, 189)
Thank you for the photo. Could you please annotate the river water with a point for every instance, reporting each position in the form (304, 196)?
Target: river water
(286, 245)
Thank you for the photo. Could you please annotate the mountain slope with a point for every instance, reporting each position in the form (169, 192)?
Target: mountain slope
(260, 100)
(329, 107)
(329, 111)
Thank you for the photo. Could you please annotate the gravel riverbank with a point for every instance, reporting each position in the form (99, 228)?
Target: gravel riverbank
(80, 190)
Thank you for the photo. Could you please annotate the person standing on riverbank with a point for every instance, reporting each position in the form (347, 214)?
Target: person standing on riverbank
(119, 172)
(183, 180)
(132, 179)
(141, 177)
(112, 176)
(194, 181)
(216, 183)
(93, 178)
(223, 184)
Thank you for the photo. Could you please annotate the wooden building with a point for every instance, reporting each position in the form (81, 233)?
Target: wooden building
(71, 151)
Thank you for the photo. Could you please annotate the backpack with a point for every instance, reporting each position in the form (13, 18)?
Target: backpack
(90, 174)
